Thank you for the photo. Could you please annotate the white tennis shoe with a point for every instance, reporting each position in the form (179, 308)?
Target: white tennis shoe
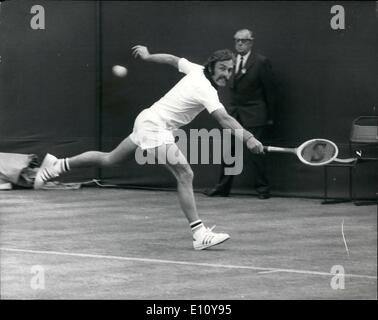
(46, 172)
(206, 238)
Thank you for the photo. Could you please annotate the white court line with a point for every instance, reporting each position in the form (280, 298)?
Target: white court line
(342, 232)
(185, 263)
(269, 271)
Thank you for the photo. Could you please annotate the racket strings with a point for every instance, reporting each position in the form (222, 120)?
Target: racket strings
(318, 152)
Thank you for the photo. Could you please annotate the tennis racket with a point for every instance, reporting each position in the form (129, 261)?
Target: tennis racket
(314, 152)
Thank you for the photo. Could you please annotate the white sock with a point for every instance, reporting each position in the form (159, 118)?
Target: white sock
(196, 226)
(61, 166)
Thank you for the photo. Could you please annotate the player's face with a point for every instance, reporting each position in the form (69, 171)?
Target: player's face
(222, 72)
(243, 42)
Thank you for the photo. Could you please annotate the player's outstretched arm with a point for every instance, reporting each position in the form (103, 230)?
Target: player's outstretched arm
(143, 53)
(229, 122)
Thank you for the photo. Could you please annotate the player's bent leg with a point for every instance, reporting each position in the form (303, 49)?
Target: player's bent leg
(177, 163)
(123, 152)
(53, 167)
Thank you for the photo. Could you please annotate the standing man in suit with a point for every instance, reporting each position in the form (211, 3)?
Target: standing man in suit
(252, 103)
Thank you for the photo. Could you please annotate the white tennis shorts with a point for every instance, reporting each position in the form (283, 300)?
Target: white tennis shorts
(150, 131)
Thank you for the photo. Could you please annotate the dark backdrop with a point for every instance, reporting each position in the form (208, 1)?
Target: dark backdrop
(49, 99)
(48, 79)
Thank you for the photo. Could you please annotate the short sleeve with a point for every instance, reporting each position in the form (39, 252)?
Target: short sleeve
(185, 66)
(210, 100)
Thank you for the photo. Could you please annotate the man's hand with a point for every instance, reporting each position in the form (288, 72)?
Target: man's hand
(255, 146)
(140, 51)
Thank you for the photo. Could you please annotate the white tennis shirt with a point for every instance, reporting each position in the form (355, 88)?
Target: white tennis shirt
(191, 95)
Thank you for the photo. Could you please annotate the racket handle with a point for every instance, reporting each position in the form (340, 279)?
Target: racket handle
(278, 149)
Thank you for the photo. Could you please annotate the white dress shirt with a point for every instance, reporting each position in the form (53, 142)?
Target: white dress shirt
(245, 58)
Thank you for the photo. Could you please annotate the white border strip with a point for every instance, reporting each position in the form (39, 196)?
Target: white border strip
(185, 263)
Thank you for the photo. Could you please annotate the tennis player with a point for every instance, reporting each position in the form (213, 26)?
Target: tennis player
(153, 131)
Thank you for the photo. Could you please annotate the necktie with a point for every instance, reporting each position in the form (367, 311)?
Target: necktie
(240, 66)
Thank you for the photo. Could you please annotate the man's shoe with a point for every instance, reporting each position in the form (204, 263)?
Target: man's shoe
(46, 172)
(206, 238)
(215, 193)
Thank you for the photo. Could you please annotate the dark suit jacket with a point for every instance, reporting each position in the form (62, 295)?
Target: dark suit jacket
(253, 92)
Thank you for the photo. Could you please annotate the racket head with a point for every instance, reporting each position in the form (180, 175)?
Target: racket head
(317, 152)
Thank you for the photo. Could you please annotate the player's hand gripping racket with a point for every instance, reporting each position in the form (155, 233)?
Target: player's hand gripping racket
(314, 152)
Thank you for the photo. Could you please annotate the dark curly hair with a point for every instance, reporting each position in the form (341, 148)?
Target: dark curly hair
(219, 55)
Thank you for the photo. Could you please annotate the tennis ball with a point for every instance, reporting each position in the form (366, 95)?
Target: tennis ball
(119, 71)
